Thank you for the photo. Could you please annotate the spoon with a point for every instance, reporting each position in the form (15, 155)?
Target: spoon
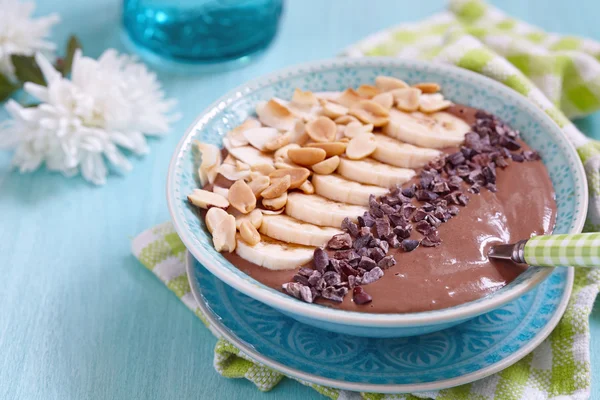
(577, 250)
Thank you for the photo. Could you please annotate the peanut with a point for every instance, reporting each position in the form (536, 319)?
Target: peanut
(428, 87)
(328, 166)
(297, 175)
(241, 197)
(306, 156)
(249, 233)
(331, 148)
(277, 187)
(276, 203)
(321, 129)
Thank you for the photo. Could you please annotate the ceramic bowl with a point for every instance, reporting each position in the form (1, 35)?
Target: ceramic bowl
(460, 86)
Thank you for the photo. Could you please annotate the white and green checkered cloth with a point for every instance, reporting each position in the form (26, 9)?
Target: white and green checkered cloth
(561, 74)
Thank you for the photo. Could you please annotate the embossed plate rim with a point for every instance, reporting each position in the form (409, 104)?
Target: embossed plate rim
(248, 349)
(252, 288)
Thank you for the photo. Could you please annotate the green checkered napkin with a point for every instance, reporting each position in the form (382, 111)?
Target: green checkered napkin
(561, 74)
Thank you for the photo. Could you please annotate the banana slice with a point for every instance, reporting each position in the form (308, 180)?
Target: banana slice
(334, 187)
(436, 130)
(247, 154)
(393, 152)
(290, 230)
(273, 254)
(374, 173)
(320, 211)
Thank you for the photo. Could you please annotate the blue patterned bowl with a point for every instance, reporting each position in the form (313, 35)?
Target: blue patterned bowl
(459, 85)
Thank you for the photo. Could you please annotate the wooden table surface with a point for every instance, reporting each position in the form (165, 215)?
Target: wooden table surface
(79, 317)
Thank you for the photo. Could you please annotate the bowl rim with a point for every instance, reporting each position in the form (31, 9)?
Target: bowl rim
(295, 306)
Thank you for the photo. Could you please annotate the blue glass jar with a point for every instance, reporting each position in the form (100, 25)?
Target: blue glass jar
(200, 34)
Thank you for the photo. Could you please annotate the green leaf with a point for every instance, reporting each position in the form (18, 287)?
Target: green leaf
(72, 45)
(27, 69)
(7, 87)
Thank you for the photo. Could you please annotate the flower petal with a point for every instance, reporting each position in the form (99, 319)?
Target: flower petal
(93, 168)
(50, 74)
(39, 91)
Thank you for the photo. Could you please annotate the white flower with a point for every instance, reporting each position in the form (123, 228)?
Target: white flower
(109, 103)
(19, 34)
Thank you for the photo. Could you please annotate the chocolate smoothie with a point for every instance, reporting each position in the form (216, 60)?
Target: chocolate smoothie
(458, 270)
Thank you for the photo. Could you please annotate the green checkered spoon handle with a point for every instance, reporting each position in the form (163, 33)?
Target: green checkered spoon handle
(577, 250)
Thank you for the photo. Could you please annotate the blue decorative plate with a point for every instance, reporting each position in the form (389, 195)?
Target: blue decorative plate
(455, 356)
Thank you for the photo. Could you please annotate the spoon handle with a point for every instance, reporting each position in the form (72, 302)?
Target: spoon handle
(577, 250)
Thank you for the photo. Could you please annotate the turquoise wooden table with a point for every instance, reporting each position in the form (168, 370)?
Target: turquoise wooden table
(79, 317)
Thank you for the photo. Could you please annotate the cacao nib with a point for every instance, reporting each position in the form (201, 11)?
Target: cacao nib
(531, 155)
(427, 242)
(425, 195)
(348, 270)
(340, 241)
(390, 200)
(300, 279)
(396, 219)
(332, 278)
(362, 252)
(362, 241)
(456, 159)
(364, 231)
(361, 297)
(376, 254)
(375, 207)
(387, 209)
(334, 294)
(335, 266)
(441, 187)
(408, 210)
(463, 171)
(384, 245)
(372, 276)
(475, 188)
(304, 271)
(352, 281)
(409, 191)
(320, 259)
(426, 180)
(432, 220)
(438, 163)
(386, 262)
(517, 157)
(403, 231)
(350, 227)
(366, 220)
(419, 215)
(298, 291)
(454, 182)
(393, 241)
(489, 173)
(314, 278)
(367, 263)
(374, 242)
(382, 227)
(423, 227)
